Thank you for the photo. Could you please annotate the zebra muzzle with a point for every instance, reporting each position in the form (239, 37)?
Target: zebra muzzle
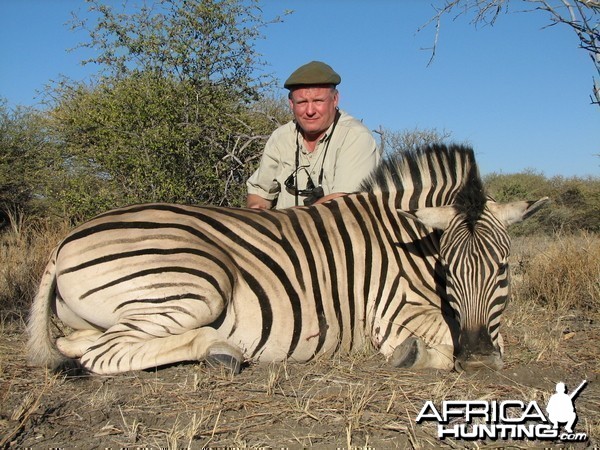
(477, 351)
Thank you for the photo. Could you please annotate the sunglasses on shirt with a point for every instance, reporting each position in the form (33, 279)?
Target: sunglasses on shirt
(312, 192)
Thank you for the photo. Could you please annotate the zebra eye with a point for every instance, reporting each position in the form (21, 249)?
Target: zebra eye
(502, 268)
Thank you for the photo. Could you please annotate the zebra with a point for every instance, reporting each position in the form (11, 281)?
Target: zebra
(414, 264)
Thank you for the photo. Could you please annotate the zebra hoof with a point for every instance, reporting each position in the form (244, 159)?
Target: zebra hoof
(408, 353)
(224, 360)
(72, 368)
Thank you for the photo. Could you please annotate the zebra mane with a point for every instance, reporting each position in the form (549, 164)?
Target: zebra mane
(432, 175)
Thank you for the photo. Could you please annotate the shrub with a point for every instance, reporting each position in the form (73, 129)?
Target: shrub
(575, 201)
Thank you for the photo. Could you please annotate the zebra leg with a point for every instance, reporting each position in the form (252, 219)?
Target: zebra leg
(122, 349)
(501, 344)
(76, 344)
(414, 353)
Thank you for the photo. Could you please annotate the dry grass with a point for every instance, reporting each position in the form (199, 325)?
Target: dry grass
(556, 297)
(354, 401)
(24, 251)
(320, 405)
(561, 272)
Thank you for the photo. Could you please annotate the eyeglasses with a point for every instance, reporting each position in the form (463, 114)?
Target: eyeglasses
(291, 183)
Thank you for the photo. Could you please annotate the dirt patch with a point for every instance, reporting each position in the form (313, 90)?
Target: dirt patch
(349, 401)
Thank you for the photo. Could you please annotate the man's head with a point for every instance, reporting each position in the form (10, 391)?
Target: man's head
(313, 97)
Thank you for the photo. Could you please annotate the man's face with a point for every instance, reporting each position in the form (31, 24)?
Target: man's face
(314, 108)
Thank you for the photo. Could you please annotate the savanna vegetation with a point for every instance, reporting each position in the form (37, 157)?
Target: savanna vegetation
(179, 112)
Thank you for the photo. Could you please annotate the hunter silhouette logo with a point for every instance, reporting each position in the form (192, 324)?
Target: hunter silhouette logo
(560, 406)
(507, 419)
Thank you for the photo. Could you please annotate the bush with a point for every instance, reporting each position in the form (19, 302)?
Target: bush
(575, 202)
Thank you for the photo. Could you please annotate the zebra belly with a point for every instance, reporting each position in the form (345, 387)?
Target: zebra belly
(277, 332)
(278, 348)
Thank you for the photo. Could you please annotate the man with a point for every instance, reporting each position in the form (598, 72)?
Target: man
(560, 407)
(322, 154)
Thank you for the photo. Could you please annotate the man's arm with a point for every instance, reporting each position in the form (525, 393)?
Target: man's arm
(262, 187)
(257, 202)
(330, 197)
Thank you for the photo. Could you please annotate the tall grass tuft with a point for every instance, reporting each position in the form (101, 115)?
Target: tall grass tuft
(563, 273)
(25, 247)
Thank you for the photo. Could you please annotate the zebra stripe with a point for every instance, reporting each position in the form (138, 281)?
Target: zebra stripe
(414, 263)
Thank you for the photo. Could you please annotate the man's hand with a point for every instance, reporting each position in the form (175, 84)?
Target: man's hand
(330, 197)
(257, 202)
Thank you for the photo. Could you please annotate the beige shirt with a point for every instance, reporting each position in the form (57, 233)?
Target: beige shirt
(351, 156)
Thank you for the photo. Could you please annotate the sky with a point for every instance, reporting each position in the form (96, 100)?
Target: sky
(518, 92)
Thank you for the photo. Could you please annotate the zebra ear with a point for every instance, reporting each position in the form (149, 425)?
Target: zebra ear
(438, 217)
(515, 212)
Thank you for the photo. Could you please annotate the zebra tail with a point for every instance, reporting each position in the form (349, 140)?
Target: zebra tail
(41, 347)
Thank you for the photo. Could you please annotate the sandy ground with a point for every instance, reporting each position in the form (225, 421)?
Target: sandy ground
(349, 401)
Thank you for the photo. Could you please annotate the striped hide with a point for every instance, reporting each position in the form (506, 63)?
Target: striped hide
(415, 264)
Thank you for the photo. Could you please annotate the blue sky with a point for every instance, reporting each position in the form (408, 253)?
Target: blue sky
(518, 93)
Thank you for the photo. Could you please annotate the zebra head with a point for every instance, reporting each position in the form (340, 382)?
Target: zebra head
(474, 249)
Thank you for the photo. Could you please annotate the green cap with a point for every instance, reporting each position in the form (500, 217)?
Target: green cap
(315, 72)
